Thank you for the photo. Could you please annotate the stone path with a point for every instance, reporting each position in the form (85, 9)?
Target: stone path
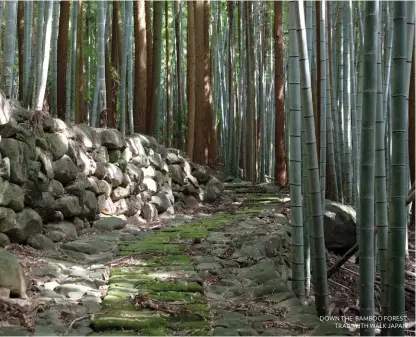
(222, 274)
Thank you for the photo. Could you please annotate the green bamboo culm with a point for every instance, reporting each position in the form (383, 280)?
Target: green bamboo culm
(319, 275)
(295, 161)
(9, 47)
(398, 181)
(367, 170)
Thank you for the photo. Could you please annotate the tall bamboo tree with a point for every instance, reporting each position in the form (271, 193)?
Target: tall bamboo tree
(157, 66)
(398, 182)
(367, 161)
(295, 163)
(280, 174)
(9, 47)
(140, 66)
(321, 285)
(45, 66)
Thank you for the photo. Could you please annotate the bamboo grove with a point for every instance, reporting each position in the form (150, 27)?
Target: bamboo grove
(318, 96)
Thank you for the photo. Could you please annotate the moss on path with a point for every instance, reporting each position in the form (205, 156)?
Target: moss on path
(159, 293)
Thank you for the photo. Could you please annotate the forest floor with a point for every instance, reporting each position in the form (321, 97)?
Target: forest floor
(218, 270)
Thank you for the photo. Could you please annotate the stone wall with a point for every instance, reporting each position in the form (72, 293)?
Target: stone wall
(57, 180)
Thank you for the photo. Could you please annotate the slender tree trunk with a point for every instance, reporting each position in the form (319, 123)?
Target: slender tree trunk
(180, 109)
(412, 130)
(280, 166)
(317, 115)
(167, 82)
(200, 152)
(20, 41)
(9, 47)
(140, 74)
(149, 62)
(191, 79)
(114, 83)
(157, 66)
(249, 169)
(80, 115)
(63, 56)
(367, 161)
(211, 145)
(45, 65)
(102, 31)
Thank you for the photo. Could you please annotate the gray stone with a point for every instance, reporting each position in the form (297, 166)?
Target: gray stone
(186, 167)
(339, 226)
(49, 270)
(22, 225)
(127, 154)
(134, 205)
(101, 155)
(114, 175)
(221, 331)
(149, 212)
(201, 173)
(173, 158)
(114, 155)
(177, 174)
(87, 136)
(155, 159)
(122, 164)
(42, 143)
(45, 206)
(5, 168)
(112, 139)
(109, 223)
(161, 202)
(101, 170)
(208, 266)
(65, 170)
(190, 201)
(4, 240)
(126, 181)
(106, 205)
(69, 206)
(119, 193)
(82, 159)
(140, 161)
(90, 202)
(92, 246)
(52, 125)
(55, 188)
(40, 241)
(134, 173)
(93, 185)
(58, 144)
(213, 190)
(14, 279)
(260, 273)
(149, 172)
(150, 185)
(79, 224)
(5, 111)
(11, 195)
(135, 145)
(104, 188)
(121, 207)
(50, 286)
(19, 156)
(159, 178)
(61, 231)
(78, 186)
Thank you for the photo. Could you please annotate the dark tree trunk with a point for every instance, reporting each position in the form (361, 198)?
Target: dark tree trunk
(62, 56)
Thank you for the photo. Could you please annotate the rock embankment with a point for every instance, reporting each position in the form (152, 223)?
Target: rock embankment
(58, 181)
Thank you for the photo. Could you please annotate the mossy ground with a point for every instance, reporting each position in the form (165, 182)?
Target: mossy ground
(171, 300)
